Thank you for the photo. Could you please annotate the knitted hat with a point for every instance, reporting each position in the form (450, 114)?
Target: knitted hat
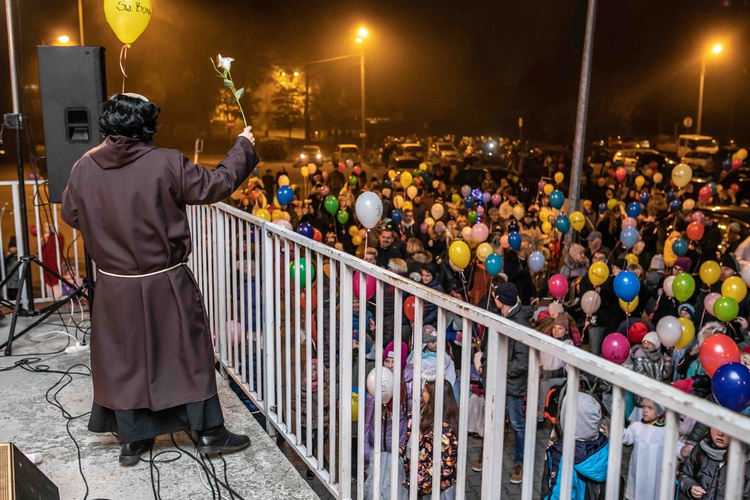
(728, 260)
(746, 349)
(686, 307)
(657, 262)
(653, 338)
(588, 416)
(594, 235)
(507, 294)
(390, 352)
(430, 268)
(429, 334)
(637, 332)
(683, 263)
(685, 385)
(555, 309)
(576, 250)
(562, 320)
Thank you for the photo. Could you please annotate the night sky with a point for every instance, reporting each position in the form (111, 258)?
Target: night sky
(440, 67)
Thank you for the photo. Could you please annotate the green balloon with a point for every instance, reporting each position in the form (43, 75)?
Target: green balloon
(473, 216)
(342, 216)
(683, 287)
(302, 281)
(726, 309)
(331, 204)
(353, 180)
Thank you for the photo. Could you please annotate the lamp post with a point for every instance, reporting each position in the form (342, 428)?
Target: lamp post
(361, 35)
(716, 50)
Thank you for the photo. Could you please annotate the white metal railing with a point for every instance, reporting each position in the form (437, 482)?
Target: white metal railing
(39, 213)
(242, 265)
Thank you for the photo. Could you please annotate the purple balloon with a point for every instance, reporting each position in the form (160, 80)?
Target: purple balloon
(325, 190)
(424, 228)
(486, 197)
(616, 348)
(496, 199)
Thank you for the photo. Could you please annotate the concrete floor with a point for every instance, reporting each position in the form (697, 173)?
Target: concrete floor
(32, 424)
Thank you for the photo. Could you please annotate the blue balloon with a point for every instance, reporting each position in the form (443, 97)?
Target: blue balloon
(469, 202)
(731, 386)
(493, 263)
(675, 205)
(712, 187)
(513, 226)
(556, 199)
(306, 229)
(726, 164)
(602, 207)
(514, 240)
(627, 286)
(284, 195)
(562, 223)
(388, 183)
(645, 197)
(397, 215)
(427, 178)
(679, 247)
(629, 237)
(476, 193)
(634, 209)
(536, 261)
(671, 196)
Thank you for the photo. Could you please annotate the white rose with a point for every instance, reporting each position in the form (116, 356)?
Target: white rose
(225, 62)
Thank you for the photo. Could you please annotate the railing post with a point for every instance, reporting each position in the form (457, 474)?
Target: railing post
(268, 329)
(345, 410)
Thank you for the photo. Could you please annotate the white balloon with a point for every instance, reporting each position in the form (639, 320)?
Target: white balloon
(350, 163)
(689, 204)
(518, 212)
(398, 201)
(411, 192)
(386, 384)
(590, 302)
(437, 210)
(669, 330)
(429, 221)
(745, 274)
(283, 223)
(369, 209)
(667, 286)
(466, 234)
(658, 178)
(283, 180)
(465, 190)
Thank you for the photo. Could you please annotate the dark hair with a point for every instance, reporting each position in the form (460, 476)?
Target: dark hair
(450, 409)
(129, 116)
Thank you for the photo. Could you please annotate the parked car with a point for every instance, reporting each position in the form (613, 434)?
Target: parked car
(345, 152)
(618, 142)
(405, 163)
(696, 159)
(411, 149)
(440, 150)
(309, 154)
(628, 158)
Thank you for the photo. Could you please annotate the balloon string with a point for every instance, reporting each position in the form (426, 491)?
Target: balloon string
(123, 62)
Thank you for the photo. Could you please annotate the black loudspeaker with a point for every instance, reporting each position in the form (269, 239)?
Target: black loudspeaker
(73, 87)
(20, 479)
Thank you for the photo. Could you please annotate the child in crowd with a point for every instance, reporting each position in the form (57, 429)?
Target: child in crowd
(647, 359)
(647, 437)
(426, 440)
(553, 369)
(429, 359)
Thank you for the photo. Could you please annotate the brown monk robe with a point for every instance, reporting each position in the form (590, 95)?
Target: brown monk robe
(151, 352)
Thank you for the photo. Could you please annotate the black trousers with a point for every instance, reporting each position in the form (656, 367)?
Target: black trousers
(135, 425)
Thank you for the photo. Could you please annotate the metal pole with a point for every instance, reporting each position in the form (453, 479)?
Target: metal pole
(583, 101)
(363, 153)
(80, 22)
(16, 119)
(700, 95)
(308, 127)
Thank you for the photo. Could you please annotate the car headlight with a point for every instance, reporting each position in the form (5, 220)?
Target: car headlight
(318, 156)
(302, 156)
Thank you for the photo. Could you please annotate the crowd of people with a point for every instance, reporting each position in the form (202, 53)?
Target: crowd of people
(643, 258)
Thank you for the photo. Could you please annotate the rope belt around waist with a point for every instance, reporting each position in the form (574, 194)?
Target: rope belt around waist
(141, 275)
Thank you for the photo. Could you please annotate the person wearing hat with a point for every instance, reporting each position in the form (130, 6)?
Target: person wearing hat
(430, 279)
(553, 368)
(429, 359)
(575, 263)
(647, 359)
(505, 302)
(745, 356)
(594, 244)
(647, 438)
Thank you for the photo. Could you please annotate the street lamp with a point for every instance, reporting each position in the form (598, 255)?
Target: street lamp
(361, 35)
(63, 38)
(716, 49)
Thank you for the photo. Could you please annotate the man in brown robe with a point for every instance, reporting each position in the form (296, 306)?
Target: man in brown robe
(151, 353)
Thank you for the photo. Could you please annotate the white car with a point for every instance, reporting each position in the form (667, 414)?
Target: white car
(628, 158)
(309, 154)
(345, 152)
(412, 149)
(696, 159)
(445, 150)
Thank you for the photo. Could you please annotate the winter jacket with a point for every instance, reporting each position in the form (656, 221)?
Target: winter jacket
(429, 316)
(590, 468)
(385, 429)
(706, 467)
(654, 365)
(518, 354)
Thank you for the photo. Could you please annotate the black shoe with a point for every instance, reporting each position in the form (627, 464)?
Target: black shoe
(130, 453)
(223, 440)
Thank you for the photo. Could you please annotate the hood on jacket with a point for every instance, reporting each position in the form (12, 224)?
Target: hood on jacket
(117, 151)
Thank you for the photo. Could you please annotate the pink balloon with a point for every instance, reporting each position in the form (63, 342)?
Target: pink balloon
(479, 232)
(708, 302)
(558, 286)
(325, 190)
(424, 228)
(616, 348)
(629, 222)
(370, 282)
(496, 199)
(504, 241)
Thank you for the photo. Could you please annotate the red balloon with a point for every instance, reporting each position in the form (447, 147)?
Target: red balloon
(558, 286)
(695, 230)
(409, 308)
(342, 166)
(621, 173)
(370, 283)
(33, 231)
(736, 163)
(357, 170)
(717, 350)
(705, 193)
(318, 236)
(735, 187)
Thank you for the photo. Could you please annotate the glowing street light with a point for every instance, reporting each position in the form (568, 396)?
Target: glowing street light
(362, 33)
(296, 73)
(716, 49)
(360, 40)
(63, 38)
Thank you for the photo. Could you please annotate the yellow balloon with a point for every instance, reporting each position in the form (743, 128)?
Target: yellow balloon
(483, 251)
(455, 199)
(548, 188)
(407, 205)
(546, 227)
(263, 214)
(559, 177)
(612, 203)
(629, 307)
(639, 181)
(631, 258)
(544, 215)
(356, 241)
(355, 406)
(577, 220)
(127, 18)
(648, 172)
(681, 175)
(598, 273)
(710, 272)
(392, 174)
(422, 166)
(735, 288)
(406, 179)
(688, 333)
(276, 203)
(353, 231)
(741, 154)
(460, 254)
(304, 171)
